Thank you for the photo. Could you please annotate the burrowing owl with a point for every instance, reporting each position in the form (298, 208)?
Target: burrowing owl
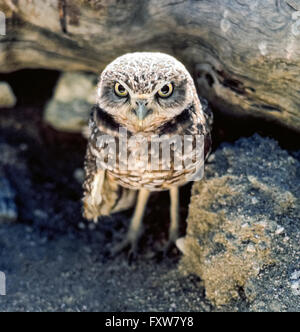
(145, 95)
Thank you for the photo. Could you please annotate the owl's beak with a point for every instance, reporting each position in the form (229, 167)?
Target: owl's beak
(142, 111)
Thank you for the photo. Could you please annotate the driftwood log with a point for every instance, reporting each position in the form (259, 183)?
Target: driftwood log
(245, 54)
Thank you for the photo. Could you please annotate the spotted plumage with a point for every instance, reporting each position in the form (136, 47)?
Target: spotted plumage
(145, 95)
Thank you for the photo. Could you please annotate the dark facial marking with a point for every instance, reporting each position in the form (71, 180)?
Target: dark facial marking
(104, 118)
(182, 121)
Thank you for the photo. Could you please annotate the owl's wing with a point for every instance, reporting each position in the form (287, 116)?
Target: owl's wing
(102, 195)
(209, 116)
(207, 126)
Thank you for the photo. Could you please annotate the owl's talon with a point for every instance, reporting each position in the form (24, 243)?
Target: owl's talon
(132, 255)
(117, 249)
(170, 246)
(165, 252)
(167, 249)
(124, 245)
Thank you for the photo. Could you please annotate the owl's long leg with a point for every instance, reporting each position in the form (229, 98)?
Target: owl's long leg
(135, 229)
(174, 226)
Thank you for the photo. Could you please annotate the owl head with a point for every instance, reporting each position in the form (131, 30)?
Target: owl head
(142, 91)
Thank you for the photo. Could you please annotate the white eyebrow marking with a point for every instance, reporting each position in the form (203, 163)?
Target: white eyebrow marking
(126, 86)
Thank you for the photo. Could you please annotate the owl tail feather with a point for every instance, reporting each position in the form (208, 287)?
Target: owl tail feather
(106, 197)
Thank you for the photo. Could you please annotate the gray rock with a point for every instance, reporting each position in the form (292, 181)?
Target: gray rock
(73, 98)
(8, 209)
(244, 227)
(7, 97)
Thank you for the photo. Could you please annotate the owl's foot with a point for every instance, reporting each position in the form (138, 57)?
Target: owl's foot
(135, 229)
(130, 243)
(169, 249)
(171, 244)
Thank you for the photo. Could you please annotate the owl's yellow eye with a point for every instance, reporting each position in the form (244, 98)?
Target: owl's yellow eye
(166, 91)
(120, 90)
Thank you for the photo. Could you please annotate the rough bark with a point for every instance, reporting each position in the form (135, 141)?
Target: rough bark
(245, 54)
